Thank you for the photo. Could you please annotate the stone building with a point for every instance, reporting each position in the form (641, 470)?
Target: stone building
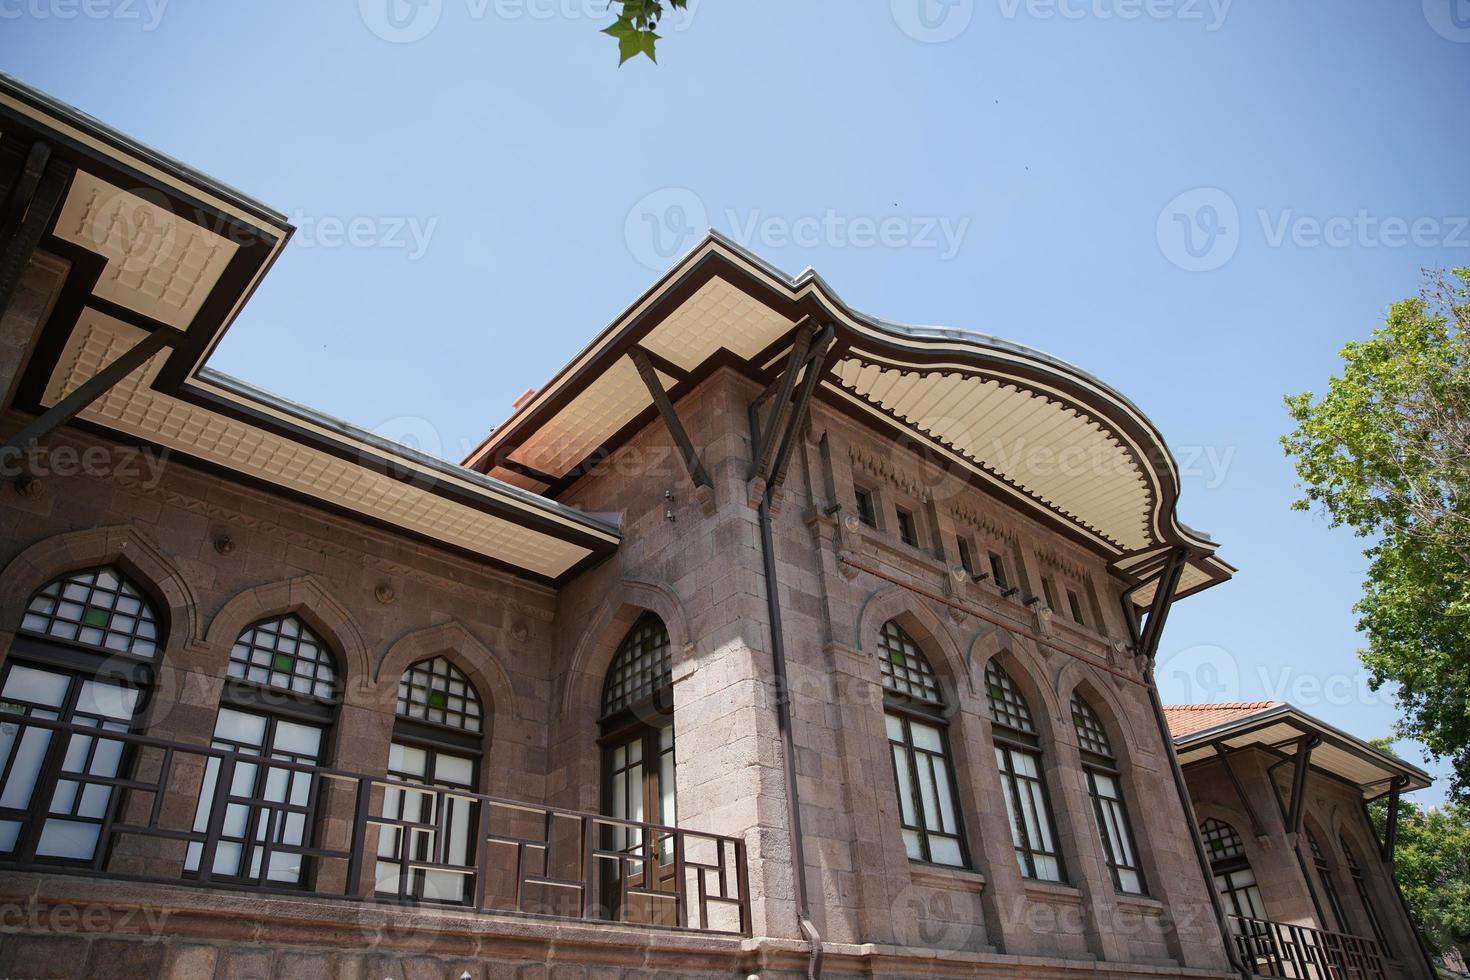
(766, 638)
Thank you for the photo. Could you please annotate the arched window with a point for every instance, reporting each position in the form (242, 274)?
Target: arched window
(918, 741)
(1018, 756)
(279, 702)
(1329, 886)
(1234, 878)
(83, 656)
(637, 737)
(1101, 768)
(1360, 885)
(436, 743)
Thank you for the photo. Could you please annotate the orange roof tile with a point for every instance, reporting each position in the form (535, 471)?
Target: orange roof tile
(1186, 719)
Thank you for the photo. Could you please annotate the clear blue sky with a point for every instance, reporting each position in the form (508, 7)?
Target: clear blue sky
(503, 165)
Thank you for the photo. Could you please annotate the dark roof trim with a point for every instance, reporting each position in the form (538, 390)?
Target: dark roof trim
(1290, 715)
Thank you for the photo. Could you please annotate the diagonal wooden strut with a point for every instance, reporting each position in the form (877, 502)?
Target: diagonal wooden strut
(33, 202)
(776, 442)
(698, 475)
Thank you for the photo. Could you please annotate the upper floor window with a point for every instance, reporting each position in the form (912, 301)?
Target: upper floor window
(1360, 885)
(918, 741)
(83, 657)
(867, 508)
(1018, 756)
(638, 770)
(1234, 878)
(1329, 886)
(280, 706)
(284, 653)
(96, 608)
(1101, 768)
(908, 527)
(437, 692)
(967, 557)
(642, 667)
(435, 753)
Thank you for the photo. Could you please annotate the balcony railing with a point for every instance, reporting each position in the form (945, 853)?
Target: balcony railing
(1280, 949)
(171, 813)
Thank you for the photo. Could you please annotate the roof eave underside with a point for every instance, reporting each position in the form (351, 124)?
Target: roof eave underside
(1278, 729)
(723, 306)
(151, 245)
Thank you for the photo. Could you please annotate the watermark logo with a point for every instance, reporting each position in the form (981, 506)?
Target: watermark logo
(401, 21)
(1449, 18)
(664, 225)
(1202, 674)
(409, 234)
(148, 13)
(933, 21)
(407, 21)
(1199, 231)
(1210, 13)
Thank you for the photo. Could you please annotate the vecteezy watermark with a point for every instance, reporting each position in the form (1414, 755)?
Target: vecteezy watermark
(1449, 18)
(1201, 230)
(406, 21)
(408, 233)
(933, 21)
(1209, 674)
(666, 224)
(1210, 13)
(143, 463)
(148, 13)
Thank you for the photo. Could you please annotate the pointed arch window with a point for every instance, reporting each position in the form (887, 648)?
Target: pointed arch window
(1100, 766)
(1329, 885)
(437, 745)
(1018, 756)
(1234, 879)
(278, 704)
(918, 741)
(1360, 885)
(638, 761)
(83, 656)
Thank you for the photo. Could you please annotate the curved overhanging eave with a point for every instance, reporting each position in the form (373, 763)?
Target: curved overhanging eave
(1028, 427)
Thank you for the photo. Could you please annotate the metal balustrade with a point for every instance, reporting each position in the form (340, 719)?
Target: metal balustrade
(1281, 949)
(339, 839)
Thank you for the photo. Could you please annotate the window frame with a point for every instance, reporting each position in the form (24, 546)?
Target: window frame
(907, 522)
(79, 662)
(1323, 867)
(866, 501)
(275, 705)
(907, 708)
(1365, 899)
(1009, 742)
(1095, 764)
(1227, 867)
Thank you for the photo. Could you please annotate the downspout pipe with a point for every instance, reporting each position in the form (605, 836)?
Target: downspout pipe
(1168, 579)
(783, 722)
(1227, 935)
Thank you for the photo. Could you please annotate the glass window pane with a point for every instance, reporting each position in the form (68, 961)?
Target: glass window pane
(903, 775)
(284, 653)
(68, 839)
(437, 691)
(945, 850)
(237, 726)
(34, 686)
(98, 607)
(25, 768)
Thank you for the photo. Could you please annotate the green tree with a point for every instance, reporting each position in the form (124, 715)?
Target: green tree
(637, 25)
(1386, 452)
(1432, 865)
